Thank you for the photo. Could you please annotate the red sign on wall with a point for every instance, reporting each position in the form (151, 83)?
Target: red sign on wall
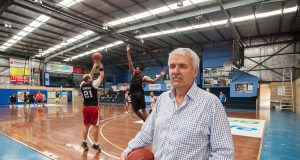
(78, 70)
(19, 79)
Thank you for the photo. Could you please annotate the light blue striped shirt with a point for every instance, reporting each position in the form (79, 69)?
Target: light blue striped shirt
(197, 130)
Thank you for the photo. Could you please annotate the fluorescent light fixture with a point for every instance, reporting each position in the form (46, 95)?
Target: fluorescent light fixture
(12, 41)
(169, 31)
(2, 48)
(87, 33)
(69, 3)
(21, 34)
(43, 18)
(204, 25)
(163, 9)
(160, 10)
(143, 36)
(291, 9)
(69, 41)
(155, 34)
(16, 37)
(7, 44)
(142, 15)
(184, 29)
(35, 24)
(79, 36)
(268, 14)
(38, 22)
(127, 19)
(216, 23)
(94, 50)
(113, 23)
(28, 29)
(244, 18)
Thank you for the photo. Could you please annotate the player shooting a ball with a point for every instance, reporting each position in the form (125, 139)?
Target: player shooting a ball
(91, 110)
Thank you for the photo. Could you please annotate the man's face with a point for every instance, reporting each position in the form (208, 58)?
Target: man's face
(151, 94)
(138, 70)
(182, 72)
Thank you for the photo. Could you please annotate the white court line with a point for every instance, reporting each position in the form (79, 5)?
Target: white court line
(88, 136)
(30, 147)
(106, 138)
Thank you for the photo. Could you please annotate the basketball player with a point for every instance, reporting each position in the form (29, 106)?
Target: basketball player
(90, 110)
(136, 86)
(152, 101)
(126, 95)
(57, 97)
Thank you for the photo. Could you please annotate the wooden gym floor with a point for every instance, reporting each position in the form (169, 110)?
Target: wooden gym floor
(57, 131)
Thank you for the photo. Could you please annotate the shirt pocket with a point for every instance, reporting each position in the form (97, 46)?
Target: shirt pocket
(192, 133)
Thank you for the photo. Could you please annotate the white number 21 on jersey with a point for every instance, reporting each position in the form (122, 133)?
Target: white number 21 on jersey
(88, 94)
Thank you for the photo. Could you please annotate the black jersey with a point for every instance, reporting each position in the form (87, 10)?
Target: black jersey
(136, 85)
(13, 99)
(90, 94)
(56, 95)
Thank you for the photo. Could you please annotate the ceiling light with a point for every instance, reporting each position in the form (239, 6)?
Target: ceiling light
(204, 25)
(69, 3)
(142, 15)
(184, 28)
(216, 23)
(160, 10)
(95, 50)
(244, 18)
(155, 11)
(291, 9)
(268, 14)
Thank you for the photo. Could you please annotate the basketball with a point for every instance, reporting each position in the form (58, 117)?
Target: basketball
(140, 154)
(97, 56)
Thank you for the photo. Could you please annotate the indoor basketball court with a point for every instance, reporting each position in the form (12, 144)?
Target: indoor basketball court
(70, 66)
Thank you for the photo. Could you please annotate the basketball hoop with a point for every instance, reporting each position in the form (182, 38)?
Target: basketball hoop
(228, 66)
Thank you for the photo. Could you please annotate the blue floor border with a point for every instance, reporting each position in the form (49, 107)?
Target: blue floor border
(281, 136)
(11, 149)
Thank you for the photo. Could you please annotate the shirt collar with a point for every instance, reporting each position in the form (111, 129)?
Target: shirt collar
(191, 93)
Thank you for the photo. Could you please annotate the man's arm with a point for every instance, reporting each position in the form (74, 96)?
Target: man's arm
(92, 72)
(130, 64)
(100, 78)
(149, 80)
(220, 139)
(145, 136)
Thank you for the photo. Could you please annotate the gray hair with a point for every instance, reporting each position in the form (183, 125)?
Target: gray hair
(184, 52)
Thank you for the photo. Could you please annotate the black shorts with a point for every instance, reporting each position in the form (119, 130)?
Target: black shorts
(138, 102)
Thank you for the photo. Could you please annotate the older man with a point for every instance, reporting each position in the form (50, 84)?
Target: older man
(187, 122)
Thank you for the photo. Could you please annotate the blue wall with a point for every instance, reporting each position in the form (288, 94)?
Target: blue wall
(5, 93)
(239, 77)
(216, 57)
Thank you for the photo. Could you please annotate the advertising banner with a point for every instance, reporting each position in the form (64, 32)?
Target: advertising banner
(19, 79)
(154, 87)
(59, 68)
(20, 63)
(78, 70)
(14, 71)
